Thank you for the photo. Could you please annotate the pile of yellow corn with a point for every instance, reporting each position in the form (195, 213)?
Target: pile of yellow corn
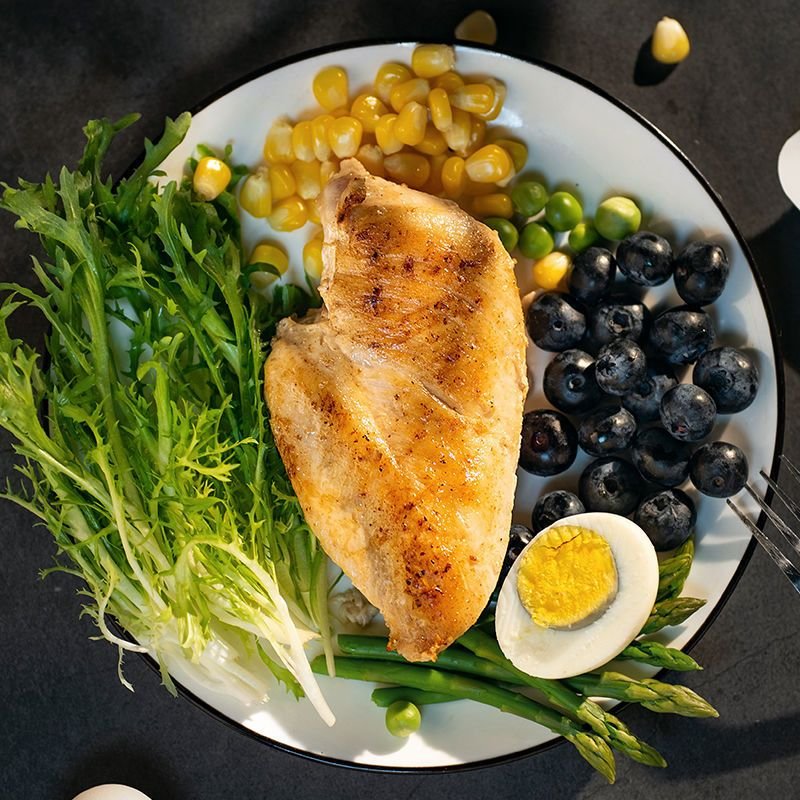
(423, 125)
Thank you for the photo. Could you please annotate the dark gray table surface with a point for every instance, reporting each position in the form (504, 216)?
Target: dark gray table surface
(65, 721)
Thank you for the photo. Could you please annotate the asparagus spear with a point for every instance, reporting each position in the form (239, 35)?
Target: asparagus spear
(671, 612)
(658, 655)
(454, 659)
(613, 730)
(387, 695)
(672, 574)
(591, 746)
(664, 698)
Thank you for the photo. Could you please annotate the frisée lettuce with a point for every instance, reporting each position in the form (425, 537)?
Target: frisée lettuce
(143, 433)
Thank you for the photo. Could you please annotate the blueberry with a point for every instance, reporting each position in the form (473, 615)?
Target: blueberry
(607, 430)
(618, 318)
(660, 458)
(701, 270)
(718, 469)
(554, 323)
(549, 442)
(569, 382)
(667, 518)
(644, 402)
(592, 274)
(610, 484)
(729, 376)
(688, 412)
(518, 537)
(645, 258)
(620, 367)
(554, 506)
(682, 334)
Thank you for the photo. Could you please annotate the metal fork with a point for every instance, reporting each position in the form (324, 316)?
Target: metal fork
(788, 568)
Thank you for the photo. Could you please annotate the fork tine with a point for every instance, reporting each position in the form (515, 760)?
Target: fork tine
(786, 566)
(795, 472)
(784, 498)
(788, 534)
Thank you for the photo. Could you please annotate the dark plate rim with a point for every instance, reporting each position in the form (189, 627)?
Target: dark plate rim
(779, 373)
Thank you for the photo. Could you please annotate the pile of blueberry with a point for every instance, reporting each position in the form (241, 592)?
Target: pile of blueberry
(614, 376)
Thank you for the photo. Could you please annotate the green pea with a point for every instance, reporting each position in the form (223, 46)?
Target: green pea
(536, 240)
(563, 211)
(528, 198)
(583, 235)
(617, 218)
(509, 236)
(402, 718)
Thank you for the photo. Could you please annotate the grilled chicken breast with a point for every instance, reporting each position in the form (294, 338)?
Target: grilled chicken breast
(397, 408)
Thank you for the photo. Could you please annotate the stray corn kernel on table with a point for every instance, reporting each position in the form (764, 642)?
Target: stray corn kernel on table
(729, 106)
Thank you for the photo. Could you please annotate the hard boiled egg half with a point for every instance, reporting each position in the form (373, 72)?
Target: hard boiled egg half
(578, 594)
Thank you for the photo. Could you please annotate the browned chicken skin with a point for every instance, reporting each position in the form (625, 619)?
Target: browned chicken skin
(397, 408)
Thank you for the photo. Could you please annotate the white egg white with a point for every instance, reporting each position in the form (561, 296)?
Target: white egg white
(548, 653)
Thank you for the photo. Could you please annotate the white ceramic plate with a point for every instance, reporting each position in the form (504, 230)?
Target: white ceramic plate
(577, 135)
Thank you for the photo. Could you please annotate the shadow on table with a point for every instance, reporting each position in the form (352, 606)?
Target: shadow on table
(777, 254)
(724, 749)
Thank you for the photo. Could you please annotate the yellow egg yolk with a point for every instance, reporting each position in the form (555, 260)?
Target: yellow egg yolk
(567, 577)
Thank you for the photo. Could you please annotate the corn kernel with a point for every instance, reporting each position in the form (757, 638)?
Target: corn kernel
(319, 136)
(475, 189)
(499, 89)
(450, 81)
(344, 136)
(306, 178)
(368, 109)
(432, 143)
(479, 26)
(517, 150)
(330, 88)
(457, 135)
(490, 164)
(211, 177)
(327, 169)
(388, 76)
(266, 253)
(409, 127)
(434, 183)
(255, 196)
(278, 144)
(477, 135)
(552, 271)
(282, 182)
(496, 204)
(477, 98)
(312, 206)
(416, 89)
(441, 112)
(289, 215)
(312, 258)
(371, 156)
(385, 136)
(454, 176)
(670, 43)
(302, 141)
(409, 168)
(430, 60)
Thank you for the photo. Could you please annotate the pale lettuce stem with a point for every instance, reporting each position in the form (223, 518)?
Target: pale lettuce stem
(164, 418)
(299, 665)
(122, 528)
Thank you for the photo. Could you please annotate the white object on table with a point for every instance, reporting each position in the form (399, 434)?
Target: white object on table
(789, 168)
(111, 791)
